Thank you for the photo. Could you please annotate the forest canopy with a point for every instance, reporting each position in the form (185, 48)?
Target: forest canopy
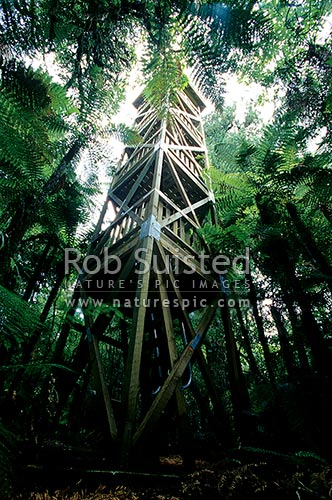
(270, 353)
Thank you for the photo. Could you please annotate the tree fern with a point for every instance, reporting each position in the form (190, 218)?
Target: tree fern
(18, 319)
(30, 106)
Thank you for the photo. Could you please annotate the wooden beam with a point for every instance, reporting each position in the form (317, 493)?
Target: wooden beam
(183, 255)
(176, 147)
(123, 246)
(92, 335)
(173, 205)
(125, 176)
(215, 397)
(99, 373)
(133, 365)
(136, 184)
(194, 178)
(173, 353)
(100, 220)
(184, 126)
(185, 211)
(105, 236)
(183, 192)
(154, 121)
(178, 111)
(110, 341)
(128, 210)
(171, 383)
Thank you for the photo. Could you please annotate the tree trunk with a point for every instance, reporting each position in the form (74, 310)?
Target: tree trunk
(260, 330)
(25, 214)
(281, 266)
(40, 266)
(288, 280)
(298, 338)
(60, 274)
(239, 392)
(310, 245)
(321, 355)
(55, 182)
(247, 345)
(285, 347)
(326, 211)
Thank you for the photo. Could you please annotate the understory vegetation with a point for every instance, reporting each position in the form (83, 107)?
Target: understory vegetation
(272, 182)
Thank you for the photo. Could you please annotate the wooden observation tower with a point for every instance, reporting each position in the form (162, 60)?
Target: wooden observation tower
(154, 269)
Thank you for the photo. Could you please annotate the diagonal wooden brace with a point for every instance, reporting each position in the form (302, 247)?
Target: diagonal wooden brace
(171, 383)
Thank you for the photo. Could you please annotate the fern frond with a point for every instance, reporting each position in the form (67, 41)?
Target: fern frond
(18, 319)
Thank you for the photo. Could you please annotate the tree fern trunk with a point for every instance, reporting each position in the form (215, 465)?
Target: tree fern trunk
(31, 285)
(321, 355)
(284, 343)
(326, 211)
(310, 245)
(260, 330)
(247, 344)
(55, 182)
(298, 337)
(60, 274)
(283, 271)
(239, 392)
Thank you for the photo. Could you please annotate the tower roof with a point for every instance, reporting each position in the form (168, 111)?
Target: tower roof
(189, 90)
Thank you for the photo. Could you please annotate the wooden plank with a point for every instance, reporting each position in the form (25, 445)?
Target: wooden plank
(185, 113)
(124, 248)
(114, 224)
(188, 153)
(101, 219)
(143, 119)
(94, 331)
(154, 122)
(129, 209)
(188, 102)
(184, 126)
(195, 149)
(110, 341)
(208, 379)
(121, 248)
(120, 172)
(168, 321)
(125, 243)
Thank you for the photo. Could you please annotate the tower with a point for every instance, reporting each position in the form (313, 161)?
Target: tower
(151, 265)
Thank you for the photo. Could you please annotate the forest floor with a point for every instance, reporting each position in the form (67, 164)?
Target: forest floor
(273, 477)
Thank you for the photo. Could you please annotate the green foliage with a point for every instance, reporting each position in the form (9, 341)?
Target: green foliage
(32, 118)
(259, 173)
(217, 36)
(19, 320)
(165, 79)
